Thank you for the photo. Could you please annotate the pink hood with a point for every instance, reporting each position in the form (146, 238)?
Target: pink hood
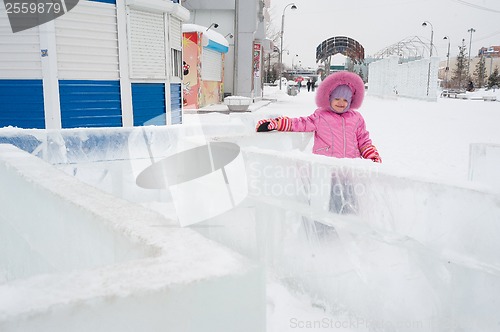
(334, 80)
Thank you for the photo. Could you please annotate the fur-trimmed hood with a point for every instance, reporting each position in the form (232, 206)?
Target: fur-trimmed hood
(334, 80)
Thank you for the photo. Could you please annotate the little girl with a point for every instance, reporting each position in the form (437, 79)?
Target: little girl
(339, 130)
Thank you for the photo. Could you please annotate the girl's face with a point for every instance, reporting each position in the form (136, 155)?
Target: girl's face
(339, 105)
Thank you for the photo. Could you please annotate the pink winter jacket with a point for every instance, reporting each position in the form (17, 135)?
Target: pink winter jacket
(336, 135)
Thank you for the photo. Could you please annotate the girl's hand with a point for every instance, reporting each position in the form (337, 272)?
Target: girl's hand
(266, 125)
(370, 152)
(281, 123)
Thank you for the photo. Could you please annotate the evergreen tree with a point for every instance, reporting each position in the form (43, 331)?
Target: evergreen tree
(460, 72)
(480, 72)
(494, 79)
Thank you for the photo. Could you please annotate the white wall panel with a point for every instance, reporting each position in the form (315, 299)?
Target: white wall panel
(211, 65)
(175, 32)
(87, 42)
(147, 45)
(19, 52)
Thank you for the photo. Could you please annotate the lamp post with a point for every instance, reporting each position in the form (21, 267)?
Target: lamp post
(447, 70)
(430, 54)
(292, 5)
(471, 30)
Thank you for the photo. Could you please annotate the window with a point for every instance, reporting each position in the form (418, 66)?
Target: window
(176, 63)
(175, 40)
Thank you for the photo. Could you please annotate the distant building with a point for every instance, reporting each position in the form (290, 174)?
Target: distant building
(492, 51)
(490, 64)
(203, 66)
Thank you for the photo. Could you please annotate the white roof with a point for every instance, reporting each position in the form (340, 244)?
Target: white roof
(210, 34)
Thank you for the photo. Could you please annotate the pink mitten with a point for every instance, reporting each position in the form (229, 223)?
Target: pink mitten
(281, 123)
(266, 125)
(370, 152)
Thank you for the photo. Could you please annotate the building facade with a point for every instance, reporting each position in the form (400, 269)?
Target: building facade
(492, 51)
(242, 22)
(105, 63)
(203, 66)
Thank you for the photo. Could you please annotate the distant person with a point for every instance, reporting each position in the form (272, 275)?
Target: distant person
(470, 86)
(313, 84)
(339, 130)
(308, 84)
(299, 80)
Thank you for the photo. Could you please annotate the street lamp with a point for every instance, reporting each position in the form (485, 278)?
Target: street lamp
(447, 62)
(215, 25)
(292, 5)
(432, 35)
(471, 30)
(430, 54)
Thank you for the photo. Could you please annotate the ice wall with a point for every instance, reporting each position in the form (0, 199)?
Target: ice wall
(483, 167)
(415, 79)
(401, 253)
(391, 252)
(74, 258)
(42, 233)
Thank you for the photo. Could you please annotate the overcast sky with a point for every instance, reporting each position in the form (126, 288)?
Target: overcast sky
(376, 24)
